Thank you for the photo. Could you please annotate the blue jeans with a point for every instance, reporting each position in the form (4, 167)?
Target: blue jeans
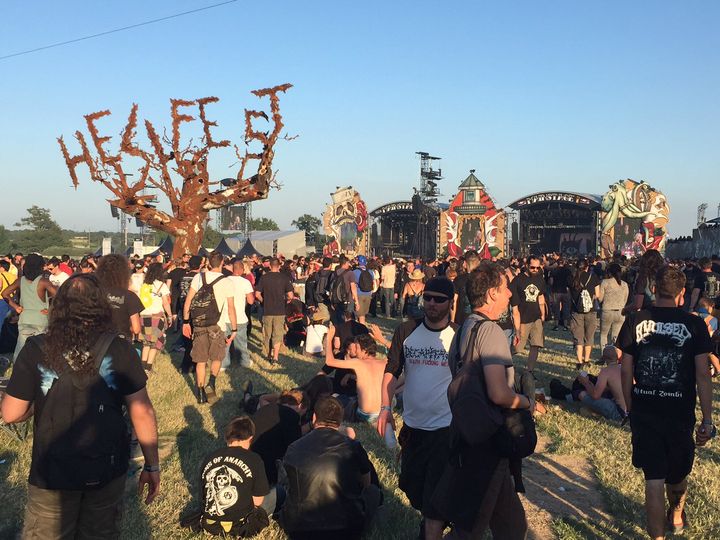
(4, 310)
(604, 406)
(240, 342)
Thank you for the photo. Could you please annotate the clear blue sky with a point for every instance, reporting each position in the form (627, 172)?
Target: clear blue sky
(533, 95)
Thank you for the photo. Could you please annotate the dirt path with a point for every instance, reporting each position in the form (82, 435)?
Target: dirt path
(559, 486)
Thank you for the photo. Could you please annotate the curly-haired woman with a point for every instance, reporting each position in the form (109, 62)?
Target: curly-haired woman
(80, 451)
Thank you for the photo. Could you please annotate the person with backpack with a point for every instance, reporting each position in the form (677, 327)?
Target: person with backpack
(584, 290)
(81, 451)
(477, 490)
(209, 293)
(365, 280)
(156, 315)
(343, 290)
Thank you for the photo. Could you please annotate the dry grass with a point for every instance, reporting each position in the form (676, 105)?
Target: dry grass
(189, 431)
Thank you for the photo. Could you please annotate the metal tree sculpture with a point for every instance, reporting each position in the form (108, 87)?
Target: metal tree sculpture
(191, 202)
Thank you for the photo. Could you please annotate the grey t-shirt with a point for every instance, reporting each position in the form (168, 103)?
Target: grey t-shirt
(491, 346)
(614, 296)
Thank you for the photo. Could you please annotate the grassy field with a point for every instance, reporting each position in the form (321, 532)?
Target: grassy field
(189, 431)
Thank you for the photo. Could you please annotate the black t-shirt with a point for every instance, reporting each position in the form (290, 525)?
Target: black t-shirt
(276, 427)
(184, 285)
(31, 380)
(588, 282)
(644, 287)
(175, 276)
(124, 304)
(324, 471)
(561, 277)
(664, 342)
(463, 304)
(709, 285)
(274, 287)
(229, 478)
(526, 292)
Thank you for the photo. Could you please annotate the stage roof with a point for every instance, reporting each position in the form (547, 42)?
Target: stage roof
(586, 200)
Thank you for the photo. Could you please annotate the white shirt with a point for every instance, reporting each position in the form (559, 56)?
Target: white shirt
(388, 276)
(315, 338)
(223, 289)
(159, 289)
(58, 279)
(136, 280)
(427, 377)
(241, 288)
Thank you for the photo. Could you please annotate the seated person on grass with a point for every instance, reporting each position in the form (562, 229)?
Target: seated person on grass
(338, 337)
(704, 310)
(329, 482)
(315, 339)
(596, 395)
(369, 371)
(234, 491)
(277, 425)
(295, 323)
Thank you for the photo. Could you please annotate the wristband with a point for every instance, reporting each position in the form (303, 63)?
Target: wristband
(151, 468)
(234, 330)
(707, 422)
(386, 408)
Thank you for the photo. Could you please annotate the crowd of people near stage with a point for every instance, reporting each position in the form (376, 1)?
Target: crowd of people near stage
(461, 366)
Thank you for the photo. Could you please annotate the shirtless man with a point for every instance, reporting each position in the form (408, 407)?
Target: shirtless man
(609, 377)
(369, 371)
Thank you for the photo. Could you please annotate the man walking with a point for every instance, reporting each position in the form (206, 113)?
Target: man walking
(665, 359)
(420, 349)
(209, 293)
(243, 295)
(274, 290)
(387, 285)
(528, 301)
(343, 290)
(707, 284)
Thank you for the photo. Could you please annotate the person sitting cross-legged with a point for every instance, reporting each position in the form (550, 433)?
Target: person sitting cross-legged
(234, 491)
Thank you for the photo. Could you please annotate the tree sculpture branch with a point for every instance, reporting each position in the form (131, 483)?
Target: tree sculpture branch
(179, 171)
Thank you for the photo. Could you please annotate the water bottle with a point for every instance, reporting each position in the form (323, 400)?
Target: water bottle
(390, 439)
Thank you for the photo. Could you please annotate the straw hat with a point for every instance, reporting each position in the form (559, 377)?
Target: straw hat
(417, 275)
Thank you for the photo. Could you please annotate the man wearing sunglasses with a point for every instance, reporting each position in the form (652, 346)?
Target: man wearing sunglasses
(528, 301)
(420, 348)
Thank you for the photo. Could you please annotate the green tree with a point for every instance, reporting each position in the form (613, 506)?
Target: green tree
(263, 224)
(4, 240)
(211, 237)
(40, 231)
(309, 225)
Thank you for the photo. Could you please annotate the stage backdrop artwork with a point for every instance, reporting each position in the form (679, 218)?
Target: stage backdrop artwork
(346, 221)
(472, 221)
(634, 219)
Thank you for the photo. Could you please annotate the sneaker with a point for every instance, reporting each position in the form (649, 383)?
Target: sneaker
(201, 395)
(211, 396)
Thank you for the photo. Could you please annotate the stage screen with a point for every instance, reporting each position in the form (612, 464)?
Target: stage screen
(232, 218)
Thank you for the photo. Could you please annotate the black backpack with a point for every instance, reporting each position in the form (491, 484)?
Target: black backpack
(81, 433)
(338, 292)
(203, 309)
(322, 285)
(365, 281)
(478, 421)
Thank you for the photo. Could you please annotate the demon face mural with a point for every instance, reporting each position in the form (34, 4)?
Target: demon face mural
(345, 221)
(634, 219)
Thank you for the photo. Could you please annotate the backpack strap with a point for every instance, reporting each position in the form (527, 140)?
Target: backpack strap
(216, 280)
(202, 278)
(101, 347)
(462, 358)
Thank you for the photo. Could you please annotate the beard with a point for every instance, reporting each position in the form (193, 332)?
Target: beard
(438, 314)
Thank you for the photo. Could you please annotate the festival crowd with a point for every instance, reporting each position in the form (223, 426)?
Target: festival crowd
(461, 368)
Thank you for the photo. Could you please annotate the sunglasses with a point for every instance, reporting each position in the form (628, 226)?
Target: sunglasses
(436, 299)
(534, 268)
